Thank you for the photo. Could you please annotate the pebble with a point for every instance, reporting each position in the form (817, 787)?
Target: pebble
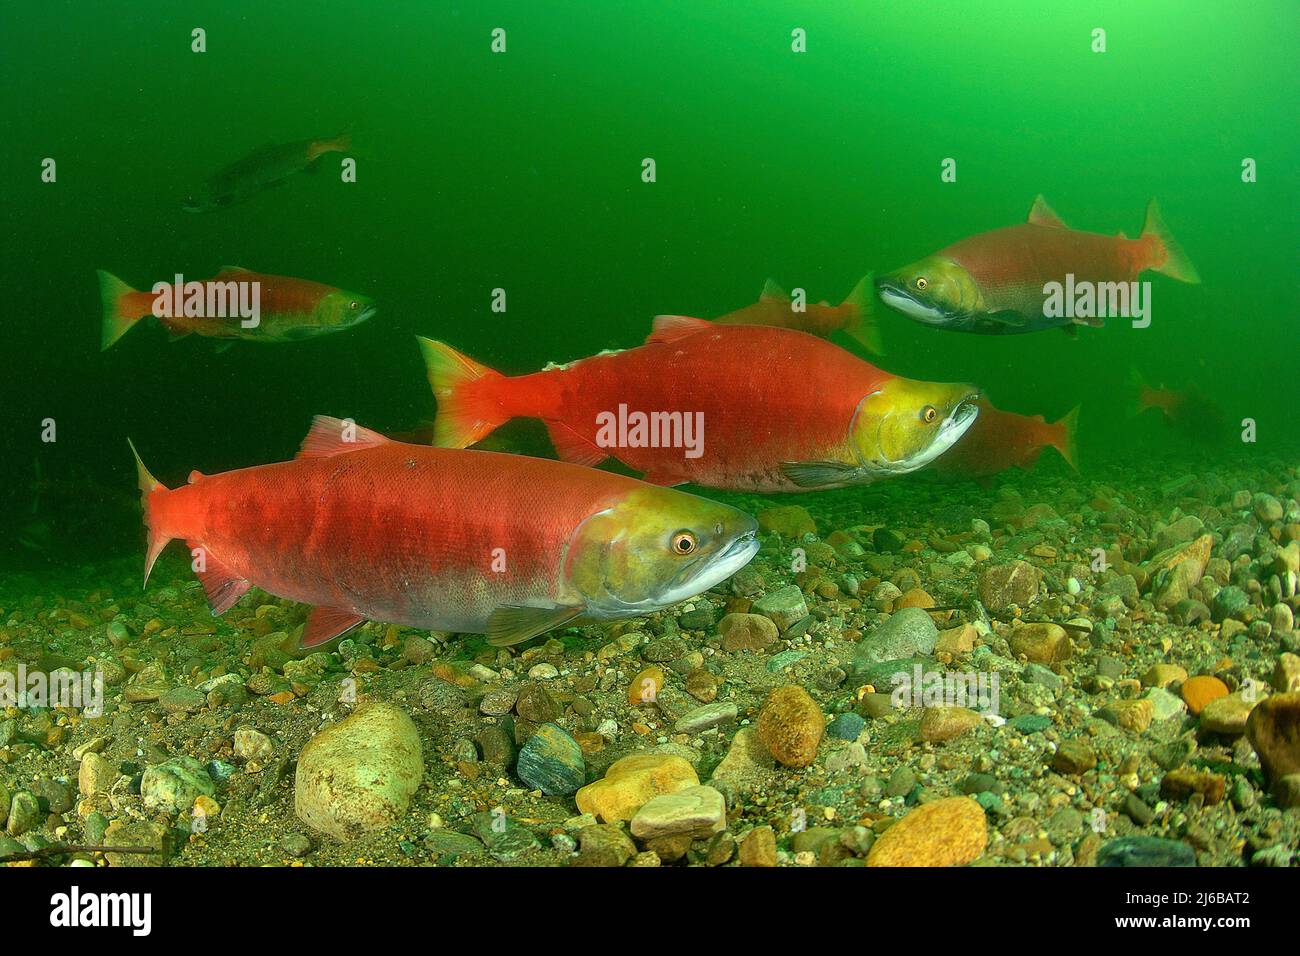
(1145, 851)
(697, 812)
(758, 847)
(946, 832)
(1074, 756)
(173, 785)
(940, 724)
(790, 725)
(1133, 715)
(631, 782)
(702, 718)
(1226, 715)
(551, 761)
(254, 748)
(1273, 729)
(785, 606)
(1041, 643)
(96, 775)
(24, 813)
(846, 726)
(1200, 690)
(604, 845)
(907, 633)
(358, 775)
(747, 764)
(1002, 585)
(746, 632)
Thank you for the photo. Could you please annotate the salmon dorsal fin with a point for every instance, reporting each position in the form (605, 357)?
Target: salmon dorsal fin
(231, 270)
(334, 436)
(1041, 214)
(670, 328)
(772, 292)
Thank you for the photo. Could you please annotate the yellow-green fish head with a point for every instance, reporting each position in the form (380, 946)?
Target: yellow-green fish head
(653, 548)
(341, 310)
(907, 424)
(935, 291)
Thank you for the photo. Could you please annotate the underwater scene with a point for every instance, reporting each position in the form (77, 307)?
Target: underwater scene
(678, 434)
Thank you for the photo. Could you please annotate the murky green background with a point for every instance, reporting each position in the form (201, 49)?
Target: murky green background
(522, 171)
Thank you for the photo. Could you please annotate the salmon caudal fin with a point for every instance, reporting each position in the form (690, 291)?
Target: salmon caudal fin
(150, 488)
(1176, 265)
(1065, 438)
(864, 328)
(465, 413)
(114, 295)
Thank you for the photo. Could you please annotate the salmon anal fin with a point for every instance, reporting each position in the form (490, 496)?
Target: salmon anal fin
(670, 328)
(1093, 321)
(510, 624)
(334, 436)
(772, 292)
(572, 447)
(222, 586)
(326, 623)
(1041, 214)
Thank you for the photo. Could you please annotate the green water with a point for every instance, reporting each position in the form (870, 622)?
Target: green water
(522, 171)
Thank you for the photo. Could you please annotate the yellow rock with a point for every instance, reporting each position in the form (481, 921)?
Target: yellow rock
(956, 641)
(1041, 643)
(632, 782)
(645, 686)
(1227, 715)
(944, 723)
(1161, 675)
(1134, 715)
(791, 725)
(947, 832)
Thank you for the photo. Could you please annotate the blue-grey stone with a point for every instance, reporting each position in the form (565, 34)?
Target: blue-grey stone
(907, 633)
(846, 726)
(1145, 851)
(551, 761)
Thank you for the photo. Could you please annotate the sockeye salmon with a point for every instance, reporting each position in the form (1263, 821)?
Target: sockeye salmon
(740, 407)
(997, 282)
(286, 309)
(363, 527)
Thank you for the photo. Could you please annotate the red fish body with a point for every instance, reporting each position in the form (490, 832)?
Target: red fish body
(764, 398)
(372, 528)
(1000, 440)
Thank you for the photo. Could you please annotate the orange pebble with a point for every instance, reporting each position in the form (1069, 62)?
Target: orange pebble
(1199, 691)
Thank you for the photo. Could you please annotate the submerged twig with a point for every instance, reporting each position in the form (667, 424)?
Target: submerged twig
(59, 849)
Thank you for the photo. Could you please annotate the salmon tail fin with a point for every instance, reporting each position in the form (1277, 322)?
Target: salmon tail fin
(465, 414)
(149, 486)
(117, 317)
(865, 328)
(1067, 437)
(1176, 265)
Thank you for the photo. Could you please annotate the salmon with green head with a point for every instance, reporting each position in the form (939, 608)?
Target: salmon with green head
(1001, 281)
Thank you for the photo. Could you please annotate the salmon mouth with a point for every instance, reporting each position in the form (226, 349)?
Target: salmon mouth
(951, 429)
(902, 299)
(711, 570)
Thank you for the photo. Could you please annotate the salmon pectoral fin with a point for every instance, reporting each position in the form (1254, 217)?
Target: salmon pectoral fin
(512, 624)
(326, 623)
(572, 447)
(822, 474)
(222, 586)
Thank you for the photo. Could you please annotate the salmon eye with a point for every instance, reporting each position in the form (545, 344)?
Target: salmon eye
(354, 305)
(929, 414)
(922, 282)
(683, 542)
